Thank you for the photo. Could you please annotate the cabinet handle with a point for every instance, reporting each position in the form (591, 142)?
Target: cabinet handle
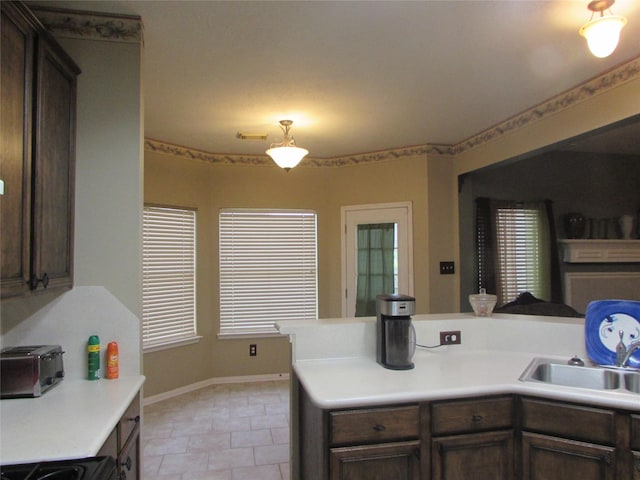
(476, 418)
(34, 281)
(379, 428)
(135, 419)
(128, 463)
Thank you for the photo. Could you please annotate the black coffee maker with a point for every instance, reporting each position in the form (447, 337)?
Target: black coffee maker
(395, 335)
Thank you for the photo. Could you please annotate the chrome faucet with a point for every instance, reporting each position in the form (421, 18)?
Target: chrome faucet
(623, 353)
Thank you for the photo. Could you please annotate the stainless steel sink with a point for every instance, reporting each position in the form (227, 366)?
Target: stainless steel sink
(554, 372)
(632, 381)
(574, 376)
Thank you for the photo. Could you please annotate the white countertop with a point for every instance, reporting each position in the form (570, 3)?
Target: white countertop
(360, 381)
(335, 360)
(72, 420)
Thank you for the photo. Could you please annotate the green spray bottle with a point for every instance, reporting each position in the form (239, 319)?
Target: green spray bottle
(93, 352)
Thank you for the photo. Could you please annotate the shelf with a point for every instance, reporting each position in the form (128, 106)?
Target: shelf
(601, 251)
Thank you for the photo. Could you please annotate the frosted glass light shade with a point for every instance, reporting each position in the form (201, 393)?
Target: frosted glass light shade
(602, 34)
(287, 157)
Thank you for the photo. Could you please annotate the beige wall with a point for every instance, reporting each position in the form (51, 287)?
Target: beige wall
(109, 168)
(595, 112)
(182, 182)
(442, 197)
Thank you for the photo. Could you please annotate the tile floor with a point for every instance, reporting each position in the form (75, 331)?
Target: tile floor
(222, 432)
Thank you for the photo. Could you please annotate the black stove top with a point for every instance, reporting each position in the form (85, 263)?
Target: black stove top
(96, 468)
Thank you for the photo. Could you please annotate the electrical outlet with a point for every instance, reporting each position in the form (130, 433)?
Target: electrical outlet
(447, 268)
(253, 350)
(450, 338)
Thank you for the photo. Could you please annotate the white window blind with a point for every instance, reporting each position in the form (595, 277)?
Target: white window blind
(522, 253)
(169, 276)
(268, 269)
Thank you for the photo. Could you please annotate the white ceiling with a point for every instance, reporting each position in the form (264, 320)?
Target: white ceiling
(356, 76)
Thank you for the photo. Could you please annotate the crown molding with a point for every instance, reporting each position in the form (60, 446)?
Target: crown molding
(263, 160)
(214, 158)
(91, 25)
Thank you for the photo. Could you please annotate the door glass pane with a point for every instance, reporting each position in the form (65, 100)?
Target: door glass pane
(377, 265)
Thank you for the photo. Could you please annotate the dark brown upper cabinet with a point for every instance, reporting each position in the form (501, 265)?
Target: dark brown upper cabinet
(38, 125)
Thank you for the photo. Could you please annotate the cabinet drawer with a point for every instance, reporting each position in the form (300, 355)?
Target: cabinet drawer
(471, 415)
(635, 432)
(374, 425)
(571, 421)
(129, 420)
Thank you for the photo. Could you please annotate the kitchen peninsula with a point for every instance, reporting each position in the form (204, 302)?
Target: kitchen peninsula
(462, 412)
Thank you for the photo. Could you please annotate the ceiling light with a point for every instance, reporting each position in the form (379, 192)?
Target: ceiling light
(603, 32)
(286, 154)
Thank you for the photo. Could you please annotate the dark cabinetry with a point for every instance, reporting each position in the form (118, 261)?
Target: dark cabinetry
(124, 443)
(472, 439)
(375, 444)
(635, 447)
(355, 444)
(502, 437)
(568, 441)
(37, 117)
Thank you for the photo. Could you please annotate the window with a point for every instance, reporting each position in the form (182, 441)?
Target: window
(168, 276)
(516, 250)
(522, 252)
(268, 269)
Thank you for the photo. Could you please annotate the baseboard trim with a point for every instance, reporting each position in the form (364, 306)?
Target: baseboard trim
(213, 381)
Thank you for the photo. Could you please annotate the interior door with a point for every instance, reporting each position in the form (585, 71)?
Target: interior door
(400, 214)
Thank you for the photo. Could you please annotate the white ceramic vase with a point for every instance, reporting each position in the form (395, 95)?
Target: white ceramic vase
(626, 226)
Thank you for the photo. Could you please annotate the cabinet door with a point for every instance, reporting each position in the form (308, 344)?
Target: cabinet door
(129, 441)
(477, 456)
(54, 167)
(391, 461)
(15, 165)
(129, 458)
(635, 468)
(550, 458)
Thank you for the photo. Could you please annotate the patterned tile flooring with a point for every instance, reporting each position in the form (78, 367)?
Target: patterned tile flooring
(223, 432)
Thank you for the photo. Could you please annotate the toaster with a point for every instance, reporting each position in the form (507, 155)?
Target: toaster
(29, 371)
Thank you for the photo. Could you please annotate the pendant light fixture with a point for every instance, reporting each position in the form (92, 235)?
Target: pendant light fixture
(603, 32)
(286, 154)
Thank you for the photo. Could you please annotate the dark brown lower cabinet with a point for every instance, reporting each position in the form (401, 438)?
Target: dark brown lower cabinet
(400, 460)
(635, 447)
(503, 437)
(548, 458)
(477, 456)
(123, 443)
(635, 468)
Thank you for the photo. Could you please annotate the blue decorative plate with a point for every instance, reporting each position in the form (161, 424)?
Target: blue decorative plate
(605, 319)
